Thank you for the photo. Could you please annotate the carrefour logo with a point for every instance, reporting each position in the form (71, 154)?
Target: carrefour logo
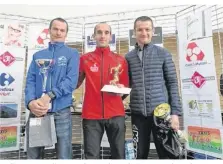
(6, 79)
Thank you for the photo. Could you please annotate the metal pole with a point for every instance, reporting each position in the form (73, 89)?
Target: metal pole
(118, 35)
(219, 38)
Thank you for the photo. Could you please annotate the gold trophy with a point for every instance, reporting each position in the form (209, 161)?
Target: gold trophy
(112, 87)
(162, 111)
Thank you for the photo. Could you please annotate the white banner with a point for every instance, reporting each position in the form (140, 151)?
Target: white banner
(13, 33)
(198, 25)
(200, 97)
(38, 36)
(12, 64)
(90, 43)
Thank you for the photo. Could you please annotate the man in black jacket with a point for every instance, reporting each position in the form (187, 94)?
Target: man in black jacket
(153, 81)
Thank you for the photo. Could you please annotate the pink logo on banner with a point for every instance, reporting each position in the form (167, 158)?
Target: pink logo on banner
(194, 53)
(43, 37)
(7, 59)
(198, 80)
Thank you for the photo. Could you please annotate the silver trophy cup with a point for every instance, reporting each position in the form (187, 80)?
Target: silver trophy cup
(45, 65)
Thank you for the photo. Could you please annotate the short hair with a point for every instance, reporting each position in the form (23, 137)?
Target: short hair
(95, 27)
(58, 19)
(143, 19)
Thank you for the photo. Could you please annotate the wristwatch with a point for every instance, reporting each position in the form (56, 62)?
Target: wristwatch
(51, 95)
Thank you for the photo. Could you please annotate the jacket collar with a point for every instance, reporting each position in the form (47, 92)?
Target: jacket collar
(102, 50)
(137, 47)
(55, 45)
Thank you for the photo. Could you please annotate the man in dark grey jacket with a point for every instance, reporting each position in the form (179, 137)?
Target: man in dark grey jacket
(153, 81)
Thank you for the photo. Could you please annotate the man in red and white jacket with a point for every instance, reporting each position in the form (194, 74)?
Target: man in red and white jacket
(101, 110)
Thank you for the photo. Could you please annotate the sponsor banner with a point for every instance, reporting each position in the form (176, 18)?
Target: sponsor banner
(205, 140)
(38, 36)
(198, 82)
(10, 112)
(9, 138)
(201, 110)
(200, 95)
(13, 34)
(196, 55)
(12, 64)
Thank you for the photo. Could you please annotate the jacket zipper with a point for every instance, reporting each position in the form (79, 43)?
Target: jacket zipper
(51, 78)
(143, 79)
(102, 95)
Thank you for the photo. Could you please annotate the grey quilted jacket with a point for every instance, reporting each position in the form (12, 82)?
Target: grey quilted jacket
(153, 80)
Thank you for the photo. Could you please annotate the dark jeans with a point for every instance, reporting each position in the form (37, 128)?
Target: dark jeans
(93, 133)
(141, 128)
(63, 125)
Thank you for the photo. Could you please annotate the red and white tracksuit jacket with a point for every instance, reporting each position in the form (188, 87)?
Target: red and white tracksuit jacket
(97, 66)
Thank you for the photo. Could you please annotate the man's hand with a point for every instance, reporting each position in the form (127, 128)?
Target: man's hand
(45, 100)
(120, 86)
(175, 122)
(37, 108)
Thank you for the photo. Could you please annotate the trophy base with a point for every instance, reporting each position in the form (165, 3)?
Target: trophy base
(163, 111)
(115, 89)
